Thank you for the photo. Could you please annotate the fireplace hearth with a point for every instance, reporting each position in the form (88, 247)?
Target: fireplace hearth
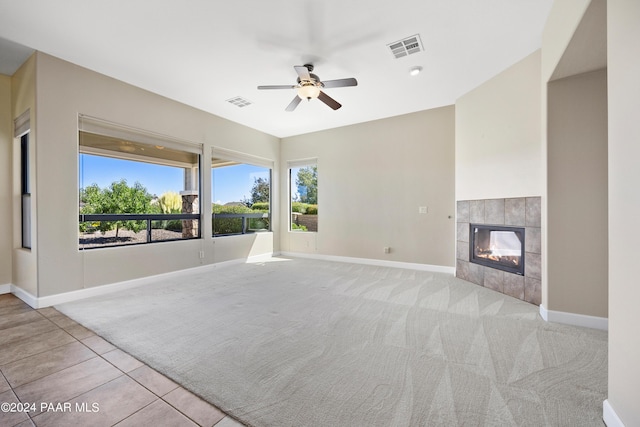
(497, 247)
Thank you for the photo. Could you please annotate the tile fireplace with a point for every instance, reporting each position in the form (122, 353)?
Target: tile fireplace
(507, 253)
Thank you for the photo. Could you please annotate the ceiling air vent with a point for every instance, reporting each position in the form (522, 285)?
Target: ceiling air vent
(239, 101)
(406, 47)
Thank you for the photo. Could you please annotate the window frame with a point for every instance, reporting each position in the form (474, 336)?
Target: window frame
(89, 127)
(298, 164)
(230, 158)
(21, 131)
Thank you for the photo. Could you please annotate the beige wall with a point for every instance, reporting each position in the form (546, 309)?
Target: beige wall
(572, 46)
(624, 208)
(577, 194)
(64, 91)
(564, 19)
(559, 56)
(6, 143)
(498, 153)
(372, 177)
(24, 261)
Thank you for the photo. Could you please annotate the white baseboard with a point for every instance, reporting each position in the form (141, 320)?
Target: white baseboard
(609, 416)
(376, 262)
(20, 293)
(574, 319)
(25, 296)
(62, 298)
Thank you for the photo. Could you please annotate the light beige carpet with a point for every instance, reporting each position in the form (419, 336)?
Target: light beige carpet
(313, 343)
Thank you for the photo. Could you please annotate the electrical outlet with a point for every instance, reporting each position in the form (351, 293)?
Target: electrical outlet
(201, 254)
(387, 250)
(423, 209)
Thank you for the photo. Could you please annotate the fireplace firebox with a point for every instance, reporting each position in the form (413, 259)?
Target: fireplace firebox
(497, 247)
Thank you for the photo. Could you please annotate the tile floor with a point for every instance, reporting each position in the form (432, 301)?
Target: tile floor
(66, 375)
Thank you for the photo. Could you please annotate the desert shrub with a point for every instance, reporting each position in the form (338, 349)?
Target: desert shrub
(234, 225)
(258, 224)
(304, 208)
(260, 206)
(299, 207)
(228, 225)
(170, 203)
(172, 225)
(231, 209)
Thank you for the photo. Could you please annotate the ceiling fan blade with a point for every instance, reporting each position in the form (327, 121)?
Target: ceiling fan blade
(294, 103)
(340, 83)
(303, 72)
(329, 100)
(276, 87)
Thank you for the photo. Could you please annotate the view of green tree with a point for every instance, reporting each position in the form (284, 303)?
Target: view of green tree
(118, 198)
(260, 190)
(307, 183)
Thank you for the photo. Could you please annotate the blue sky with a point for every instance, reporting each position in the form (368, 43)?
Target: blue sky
(232, 183)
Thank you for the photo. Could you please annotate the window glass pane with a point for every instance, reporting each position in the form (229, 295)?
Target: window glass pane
(241, 198)
(159, 186)
(304, 198)
(26, 196)
(24, 163)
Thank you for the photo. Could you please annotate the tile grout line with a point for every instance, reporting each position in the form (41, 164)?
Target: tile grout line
(136, 381)
(32, 416)
(49, 349)
(44, 351)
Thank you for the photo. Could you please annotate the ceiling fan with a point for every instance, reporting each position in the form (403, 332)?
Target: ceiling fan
(310, 86)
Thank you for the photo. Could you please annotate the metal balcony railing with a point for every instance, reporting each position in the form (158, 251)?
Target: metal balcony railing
(244, 225)
(139, 217)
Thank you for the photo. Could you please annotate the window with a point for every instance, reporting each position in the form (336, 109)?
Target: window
(303, 189)
(22, 125)
(135, 188)
(25, 192)
(241, 193)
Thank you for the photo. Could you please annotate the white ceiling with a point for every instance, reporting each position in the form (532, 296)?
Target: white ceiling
(203, 52)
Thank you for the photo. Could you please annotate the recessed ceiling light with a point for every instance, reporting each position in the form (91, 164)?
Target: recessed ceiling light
(414, 71)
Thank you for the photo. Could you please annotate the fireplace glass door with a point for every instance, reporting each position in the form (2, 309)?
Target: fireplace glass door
(498, 247)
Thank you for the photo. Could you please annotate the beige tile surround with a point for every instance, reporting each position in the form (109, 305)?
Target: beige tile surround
(519, 212)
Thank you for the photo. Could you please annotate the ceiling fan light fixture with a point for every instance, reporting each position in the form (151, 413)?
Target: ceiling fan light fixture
(310, 86)
(308, 91)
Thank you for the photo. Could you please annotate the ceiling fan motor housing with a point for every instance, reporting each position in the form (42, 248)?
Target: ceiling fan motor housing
(314, 80)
